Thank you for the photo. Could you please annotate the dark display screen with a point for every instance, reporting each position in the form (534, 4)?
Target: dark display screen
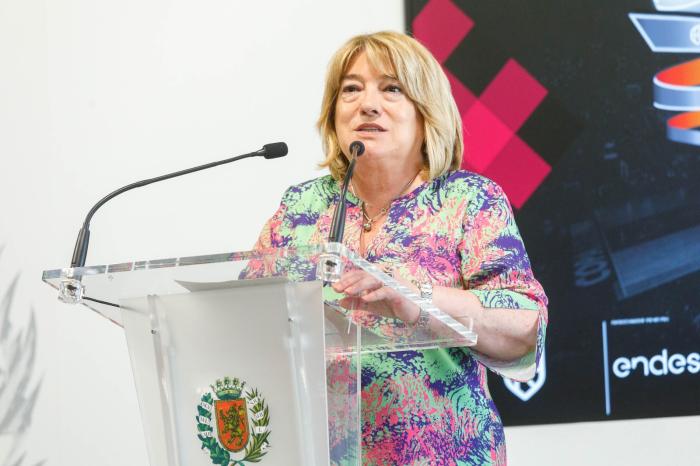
(602, 165)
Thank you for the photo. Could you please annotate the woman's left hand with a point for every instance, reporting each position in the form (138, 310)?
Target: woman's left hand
(365, 292)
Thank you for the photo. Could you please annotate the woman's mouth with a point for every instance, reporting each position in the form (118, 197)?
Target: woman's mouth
(370, 128)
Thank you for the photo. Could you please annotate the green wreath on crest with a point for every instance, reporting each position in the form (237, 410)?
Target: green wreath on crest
(253, 452)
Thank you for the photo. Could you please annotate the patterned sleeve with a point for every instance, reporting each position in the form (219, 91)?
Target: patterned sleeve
(270, 236)
(296, 217)
(288, 227)
(496, 268)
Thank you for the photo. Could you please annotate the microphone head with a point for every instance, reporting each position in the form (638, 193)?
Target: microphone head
(274, 150)
(358, 147)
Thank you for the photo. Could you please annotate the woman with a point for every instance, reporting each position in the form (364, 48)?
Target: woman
(449, 233)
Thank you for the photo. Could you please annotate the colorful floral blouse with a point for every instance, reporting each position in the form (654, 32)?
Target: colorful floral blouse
(430, 407)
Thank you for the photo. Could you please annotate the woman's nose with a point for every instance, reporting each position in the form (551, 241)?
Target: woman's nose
(370, 104)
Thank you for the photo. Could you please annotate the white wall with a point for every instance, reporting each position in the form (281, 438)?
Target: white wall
(94, 95)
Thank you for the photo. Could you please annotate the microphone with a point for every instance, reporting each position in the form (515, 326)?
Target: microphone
(269, 151)
(338, 222)
(273, 150)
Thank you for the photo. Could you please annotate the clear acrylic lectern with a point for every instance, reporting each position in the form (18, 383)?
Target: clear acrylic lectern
(251, 357)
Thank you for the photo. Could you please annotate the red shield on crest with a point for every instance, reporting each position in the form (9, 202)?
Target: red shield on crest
(232, 423)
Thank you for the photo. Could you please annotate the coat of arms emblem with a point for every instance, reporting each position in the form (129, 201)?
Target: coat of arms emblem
(233, 423)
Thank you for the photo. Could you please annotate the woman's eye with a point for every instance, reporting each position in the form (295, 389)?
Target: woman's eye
(351, 88)
(393, 88)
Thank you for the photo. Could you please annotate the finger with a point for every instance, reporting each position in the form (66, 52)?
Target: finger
(396, 305)
(347, 279)
(364, 284)
(380, 294)
(352, 302)
(358, 304)
(356, 282)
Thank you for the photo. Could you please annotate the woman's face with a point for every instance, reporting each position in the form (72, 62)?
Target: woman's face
(372, 108)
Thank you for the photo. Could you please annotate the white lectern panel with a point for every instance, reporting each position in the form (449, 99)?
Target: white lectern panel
(246, 335)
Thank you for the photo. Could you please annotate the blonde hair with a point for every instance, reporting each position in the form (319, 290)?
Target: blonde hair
(423, 82)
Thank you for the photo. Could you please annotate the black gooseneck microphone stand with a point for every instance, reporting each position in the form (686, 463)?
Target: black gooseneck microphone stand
(338, 223)
(269, 151)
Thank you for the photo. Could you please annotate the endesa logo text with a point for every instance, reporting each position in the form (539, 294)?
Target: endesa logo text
(657, 365)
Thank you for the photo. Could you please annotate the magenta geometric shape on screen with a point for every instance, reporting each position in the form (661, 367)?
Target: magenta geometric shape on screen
(440, 26)
(513, 94)
(463, 96)
(491, 120)
(485, 136)
(519, 170)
